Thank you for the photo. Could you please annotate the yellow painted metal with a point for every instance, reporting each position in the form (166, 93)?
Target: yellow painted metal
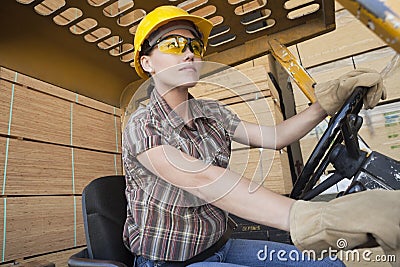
(382, 17)
(299, 75)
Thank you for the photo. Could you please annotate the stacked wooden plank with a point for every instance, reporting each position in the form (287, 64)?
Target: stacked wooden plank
(381, 130)
(53, 142)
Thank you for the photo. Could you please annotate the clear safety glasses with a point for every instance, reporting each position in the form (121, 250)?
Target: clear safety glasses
(177, 44)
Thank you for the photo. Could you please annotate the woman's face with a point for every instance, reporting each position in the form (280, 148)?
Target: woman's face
(173, 70)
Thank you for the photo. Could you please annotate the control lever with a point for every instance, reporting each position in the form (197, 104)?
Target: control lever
(350, 134)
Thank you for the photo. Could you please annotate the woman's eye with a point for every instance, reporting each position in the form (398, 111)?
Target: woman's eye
(173, 45)
(196, 47)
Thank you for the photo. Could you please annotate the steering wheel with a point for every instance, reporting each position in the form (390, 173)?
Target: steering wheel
(347, 122)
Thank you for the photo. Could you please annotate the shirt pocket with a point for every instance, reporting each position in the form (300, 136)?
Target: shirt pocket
(189, 148)
(212, 152)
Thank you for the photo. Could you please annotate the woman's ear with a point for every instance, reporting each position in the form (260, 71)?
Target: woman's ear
(145, 61)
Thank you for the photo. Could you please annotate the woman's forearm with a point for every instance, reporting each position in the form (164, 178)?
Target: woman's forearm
(282, 134)
(299, 125)
(260, 206)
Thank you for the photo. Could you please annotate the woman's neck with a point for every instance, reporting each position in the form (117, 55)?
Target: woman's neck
(178, 100)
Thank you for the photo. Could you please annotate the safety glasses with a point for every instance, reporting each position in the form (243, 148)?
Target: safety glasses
(177, 44)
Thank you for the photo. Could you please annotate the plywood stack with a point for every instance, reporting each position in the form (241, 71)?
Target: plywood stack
(352, 45)
(53, 142)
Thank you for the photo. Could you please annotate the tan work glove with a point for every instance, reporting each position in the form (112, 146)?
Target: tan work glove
(332, 94)
(352, 218)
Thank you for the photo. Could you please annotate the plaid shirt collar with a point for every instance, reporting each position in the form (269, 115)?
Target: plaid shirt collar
(156, 100)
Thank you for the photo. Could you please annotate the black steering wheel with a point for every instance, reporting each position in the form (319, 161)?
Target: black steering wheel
(347, 122)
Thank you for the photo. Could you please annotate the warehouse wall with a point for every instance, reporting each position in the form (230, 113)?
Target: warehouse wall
(52, 143)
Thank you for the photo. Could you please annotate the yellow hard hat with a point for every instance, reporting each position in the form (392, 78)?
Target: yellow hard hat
(161, 16)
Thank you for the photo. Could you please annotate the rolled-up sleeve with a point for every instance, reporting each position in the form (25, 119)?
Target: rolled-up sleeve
(229, 119)
(141, 135)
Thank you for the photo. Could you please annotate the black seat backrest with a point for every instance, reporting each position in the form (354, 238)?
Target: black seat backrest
(104, 213)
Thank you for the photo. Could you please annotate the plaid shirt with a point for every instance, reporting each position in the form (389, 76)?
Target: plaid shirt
(163, 221)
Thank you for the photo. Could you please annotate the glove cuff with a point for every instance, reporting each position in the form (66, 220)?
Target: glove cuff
(305, 222)
(325, 93)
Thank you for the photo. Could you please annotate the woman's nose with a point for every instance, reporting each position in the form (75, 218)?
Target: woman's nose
(188, 54)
